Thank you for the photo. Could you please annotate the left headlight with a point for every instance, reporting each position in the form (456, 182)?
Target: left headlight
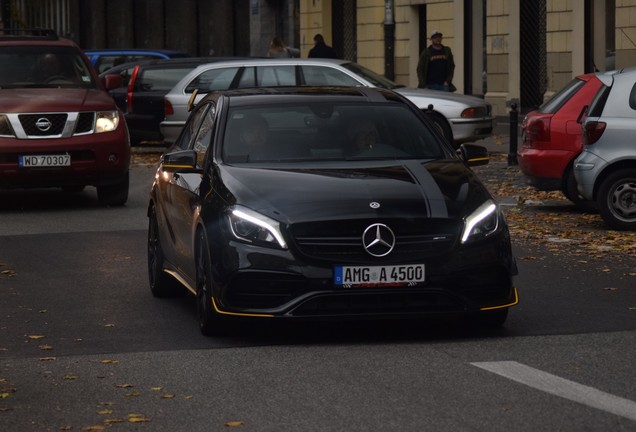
(253, 227)
(106, 121)
(481, 223)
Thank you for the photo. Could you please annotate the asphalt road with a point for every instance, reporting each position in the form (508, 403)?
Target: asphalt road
(84, 346)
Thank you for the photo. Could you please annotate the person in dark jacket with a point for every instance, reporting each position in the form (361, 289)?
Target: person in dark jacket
(436, 66)
(321, 49)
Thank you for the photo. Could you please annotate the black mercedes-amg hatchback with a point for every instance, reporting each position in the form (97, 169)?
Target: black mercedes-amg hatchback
(312, 203)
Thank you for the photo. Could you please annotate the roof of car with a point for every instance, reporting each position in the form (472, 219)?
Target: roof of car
(265, 95)
(273, 60)
(168, 52)
(158, 63)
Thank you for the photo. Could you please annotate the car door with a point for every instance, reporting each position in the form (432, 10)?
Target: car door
(168, 190)
(185, 190)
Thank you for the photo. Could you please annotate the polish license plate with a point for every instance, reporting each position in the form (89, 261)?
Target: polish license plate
(59, 160)
(361, 276)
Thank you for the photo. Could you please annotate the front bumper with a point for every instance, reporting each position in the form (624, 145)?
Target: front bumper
(96, 159)
(276, 284)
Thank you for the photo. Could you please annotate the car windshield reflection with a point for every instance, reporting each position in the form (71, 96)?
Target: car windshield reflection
(326, 132)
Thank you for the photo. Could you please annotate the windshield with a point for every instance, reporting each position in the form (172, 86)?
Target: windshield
(315, 132)
(43, 66)
(374, 78)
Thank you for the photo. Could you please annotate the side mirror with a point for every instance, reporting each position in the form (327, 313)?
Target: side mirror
(473, 154)
(180, 160)
(112, 81)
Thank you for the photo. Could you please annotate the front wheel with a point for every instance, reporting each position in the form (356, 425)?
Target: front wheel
(161, 284)
(211, 323)
(616, 199)
(115, 194)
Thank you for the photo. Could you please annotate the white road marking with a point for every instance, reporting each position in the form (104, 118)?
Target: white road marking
(562, 387)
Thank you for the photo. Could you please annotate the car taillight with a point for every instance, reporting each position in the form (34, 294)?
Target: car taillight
(538, 129)
(592, 132)
(131, 88)
(167, 108)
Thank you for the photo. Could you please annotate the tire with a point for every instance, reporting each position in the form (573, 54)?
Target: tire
(211, 323)
(571, 192)
(442, 126)
(114, 195)
(616, 199)
(161, 283)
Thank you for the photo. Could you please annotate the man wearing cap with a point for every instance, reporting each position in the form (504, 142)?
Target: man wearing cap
(436, 66)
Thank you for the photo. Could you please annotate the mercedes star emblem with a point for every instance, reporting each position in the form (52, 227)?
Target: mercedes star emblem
(378, 240)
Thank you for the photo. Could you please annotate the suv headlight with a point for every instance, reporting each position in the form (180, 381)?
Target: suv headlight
(106, 121)
(253, 227)
(481, 223)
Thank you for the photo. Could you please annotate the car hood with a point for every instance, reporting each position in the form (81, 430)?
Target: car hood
(440, 189)
(439, 99)
(41, 100)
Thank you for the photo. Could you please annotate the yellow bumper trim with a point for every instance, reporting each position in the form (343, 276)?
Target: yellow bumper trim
(514, 302)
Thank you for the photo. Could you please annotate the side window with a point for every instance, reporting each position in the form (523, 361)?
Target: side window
(268, 76)
(184, 141)
(320, 75)
(204, 136)
(213, 79)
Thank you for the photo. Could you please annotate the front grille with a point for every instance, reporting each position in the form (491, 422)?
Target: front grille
(341, 241)
(43, 124)
(85, 122)
(5, 126)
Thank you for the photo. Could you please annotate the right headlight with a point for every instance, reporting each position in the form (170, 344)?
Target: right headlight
(252, 227)
(481, 223)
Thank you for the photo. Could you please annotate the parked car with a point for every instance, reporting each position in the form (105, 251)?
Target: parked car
(460, 118)
(551, 139)
(144, 85)
(58, 125)
(606, 169)
(103, 59)
(318, 202)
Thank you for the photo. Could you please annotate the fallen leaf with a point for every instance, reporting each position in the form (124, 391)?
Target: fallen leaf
(71, 377)
(234, 423)
(4, 395)
(113, 420)
(610, 289)
(106, 361)
(47, 358)
(124, 385)
(94, 428)
(109, 325)
(8, 272)
(35, 337)
(167, 396)
(133, 394)
(155, 388)
(137, 418)
(45, 347)
(104, 412)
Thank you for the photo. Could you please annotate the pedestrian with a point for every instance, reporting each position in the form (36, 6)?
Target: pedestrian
(436, 66)
(321, 49)
(277, 48)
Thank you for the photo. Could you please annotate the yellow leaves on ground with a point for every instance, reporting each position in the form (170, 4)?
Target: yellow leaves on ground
(109, 361)
(71, 377)
(124, 385)
(35, 337)
(234, 423)
(137, 418)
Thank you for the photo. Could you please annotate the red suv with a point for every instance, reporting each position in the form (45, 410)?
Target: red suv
(58, 125)
(551, 138)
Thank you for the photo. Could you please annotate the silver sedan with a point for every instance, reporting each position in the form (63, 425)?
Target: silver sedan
(460, 118)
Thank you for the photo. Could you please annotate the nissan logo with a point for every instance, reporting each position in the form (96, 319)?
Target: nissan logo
(378, 240)
(43, 124)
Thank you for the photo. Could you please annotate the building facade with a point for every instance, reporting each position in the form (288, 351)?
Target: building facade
(506, 51)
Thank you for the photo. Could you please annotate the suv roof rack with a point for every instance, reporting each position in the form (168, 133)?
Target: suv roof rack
(27, 34)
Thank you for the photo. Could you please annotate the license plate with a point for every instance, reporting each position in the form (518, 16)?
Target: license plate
(60, 160)
(361, 276)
